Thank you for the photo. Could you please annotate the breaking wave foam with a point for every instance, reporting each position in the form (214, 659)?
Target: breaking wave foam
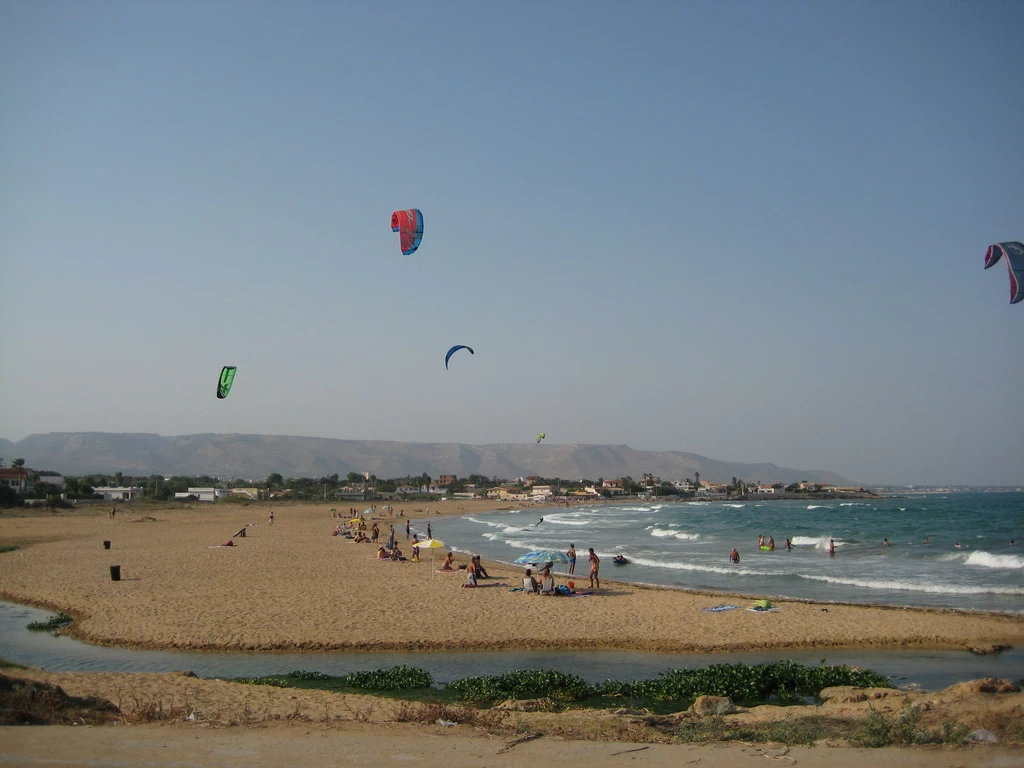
(677, 566)
(818, 542)
(988, 560)
(683, 535)
(911, 586)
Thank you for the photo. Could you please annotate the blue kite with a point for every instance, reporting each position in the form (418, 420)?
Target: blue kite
(453, 350)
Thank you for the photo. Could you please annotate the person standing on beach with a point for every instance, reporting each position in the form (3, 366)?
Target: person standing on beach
(271, 519)
(429, 536)
(571, 554)
(595, 563)
(407, 532)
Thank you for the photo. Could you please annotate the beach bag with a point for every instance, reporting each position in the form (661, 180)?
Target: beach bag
(561, 589)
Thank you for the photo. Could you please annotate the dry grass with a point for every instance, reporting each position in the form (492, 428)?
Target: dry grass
(432, 711)
(135, 711)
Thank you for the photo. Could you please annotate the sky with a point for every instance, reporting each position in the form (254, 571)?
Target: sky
(749, 230)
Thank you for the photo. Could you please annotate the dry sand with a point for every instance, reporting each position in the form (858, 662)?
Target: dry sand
(368, 746)
(199, 719)
(294, 586)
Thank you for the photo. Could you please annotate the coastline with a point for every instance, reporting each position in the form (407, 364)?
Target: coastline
(294, 587)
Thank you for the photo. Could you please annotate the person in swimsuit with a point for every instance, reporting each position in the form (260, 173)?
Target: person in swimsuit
(734, 556)
(571, 554)
(595, 563)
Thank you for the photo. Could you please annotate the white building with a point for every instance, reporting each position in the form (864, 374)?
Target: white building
(120, 494)
(204, 494)
(542, 492)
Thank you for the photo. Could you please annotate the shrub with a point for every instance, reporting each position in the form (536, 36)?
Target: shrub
(394, 679)
(521, 684)
(748, 684)
(877, 730)
(52, 624)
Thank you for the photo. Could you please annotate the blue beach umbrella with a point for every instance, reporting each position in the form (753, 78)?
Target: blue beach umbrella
(542, 556)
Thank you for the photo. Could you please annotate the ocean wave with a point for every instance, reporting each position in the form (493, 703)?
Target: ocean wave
(484, 522)
(562, 519)
(662, 532)
(912, 586)
(818, 542)
(677, 566)
(819, 506)
(736, 506)
(988, 560)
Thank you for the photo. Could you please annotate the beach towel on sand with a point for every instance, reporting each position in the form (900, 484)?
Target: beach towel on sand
(720, 608)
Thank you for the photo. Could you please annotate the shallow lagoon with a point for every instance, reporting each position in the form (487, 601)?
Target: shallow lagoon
(929, 670)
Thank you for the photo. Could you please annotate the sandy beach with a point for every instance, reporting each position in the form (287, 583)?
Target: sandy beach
(292, 585)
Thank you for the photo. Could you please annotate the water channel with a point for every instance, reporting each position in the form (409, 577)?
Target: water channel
(928, 670)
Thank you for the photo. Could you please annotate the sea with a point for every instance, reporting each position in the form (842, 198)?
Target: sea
(946, 550)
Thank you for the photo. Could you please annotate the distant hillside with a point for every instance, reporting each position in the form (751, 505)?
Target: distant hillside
(256, 456)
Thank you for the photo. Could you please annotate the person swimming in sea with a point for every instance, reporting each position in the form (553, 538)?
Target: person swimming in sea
(734, 556)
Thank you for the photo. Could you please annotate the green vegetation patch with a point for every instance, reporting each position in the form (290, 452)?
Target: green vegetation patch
(783, 682)
(401, 678)
(52, 624)
(8, 548)
(521, 684)
(877, 730)
(746, 684)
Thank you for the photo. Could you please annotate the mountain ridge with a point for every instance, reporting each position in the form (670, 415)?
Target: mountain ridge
(256, 456)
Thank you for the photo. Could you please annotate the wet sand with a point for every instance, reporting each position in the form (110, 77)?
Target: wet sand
(294, 586)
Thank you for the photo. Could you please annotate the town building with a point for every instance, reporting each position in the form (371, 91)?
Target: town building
(15, 479)
(204, 494)
(121, 493)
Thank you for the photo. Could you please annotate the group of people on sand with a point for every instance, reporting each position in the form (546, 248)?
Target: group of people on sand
(595, 565)
(546, 584)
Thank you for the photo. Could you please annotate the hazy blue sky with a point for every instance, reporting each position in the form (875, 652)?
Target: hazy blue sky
(752, 230)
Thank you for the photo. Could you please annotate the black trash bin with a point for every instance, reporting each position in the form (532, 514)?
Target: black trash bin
(106, 545)
(115, 573)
